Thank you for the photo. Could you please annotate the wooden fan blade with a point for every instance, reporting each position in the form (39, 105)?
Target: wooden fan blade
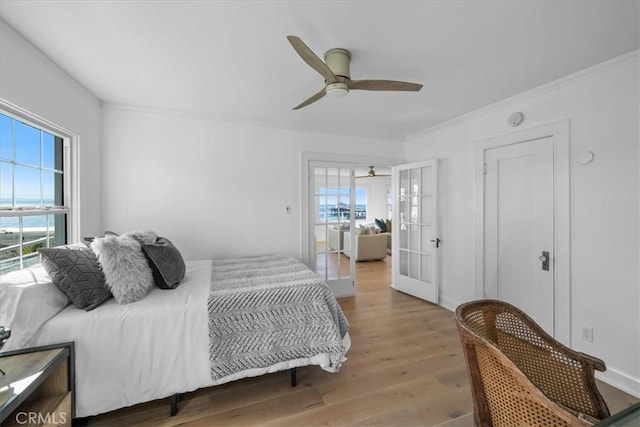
(386, 85)
(374, 176)
(312, 59)
(311, 99)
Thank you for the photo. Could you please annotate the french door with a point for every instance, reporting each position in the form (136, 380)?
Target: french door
(331, 218)
(414, 229)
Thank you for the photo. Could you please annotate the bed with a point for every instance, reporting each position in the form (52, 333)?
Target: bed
(229, 319)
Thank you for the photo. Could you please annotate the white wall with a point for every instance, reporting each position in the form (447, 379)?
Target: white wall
(376, 187)
(30, 80)
(602, 106)
(212, 188)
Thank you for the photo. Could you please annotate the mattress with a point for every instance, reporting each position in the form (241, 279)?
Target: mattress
(146, 350)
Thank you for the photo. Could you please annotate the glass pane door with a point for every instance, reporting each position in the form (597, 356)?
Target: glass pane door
(332, 217)
(415, 246)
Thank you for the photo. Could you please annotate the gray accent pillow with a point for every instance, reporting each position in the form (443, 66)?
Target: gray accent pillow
(125, 268)
(166, 263)
(74, 269)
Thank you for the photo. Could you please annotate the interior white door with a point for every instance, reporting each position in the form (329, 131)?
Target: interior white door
(331, 216)
(415, 229)
(518, 227)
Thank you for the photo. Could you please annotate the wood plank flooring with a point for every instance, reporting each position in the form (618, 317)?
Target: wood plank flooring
(405, 368)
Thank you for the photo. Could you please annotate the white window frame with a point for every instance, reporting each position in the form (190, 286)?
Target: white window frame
(70, 142)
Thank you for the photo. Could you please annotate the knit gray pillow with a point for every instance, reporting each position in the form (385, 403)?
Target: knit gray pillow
(125, 268)
(74, 269)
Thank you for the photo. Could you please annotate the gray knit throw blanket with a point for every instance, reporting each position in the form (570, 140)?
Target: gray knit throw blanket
(270, 309)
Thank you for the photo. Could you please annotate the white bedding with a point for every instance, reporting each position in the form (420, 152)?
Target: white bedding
(121, 360)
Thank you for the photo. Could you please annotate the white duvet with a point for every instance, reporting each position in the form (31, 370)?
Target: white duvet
(150, 349)
(147, 350)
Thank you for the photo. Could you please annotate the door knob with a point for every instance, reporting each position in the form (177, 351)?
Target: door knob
(543, 258)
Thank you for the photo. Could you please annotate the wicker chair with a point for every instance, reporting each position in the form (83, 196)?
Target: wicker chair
(520, 375)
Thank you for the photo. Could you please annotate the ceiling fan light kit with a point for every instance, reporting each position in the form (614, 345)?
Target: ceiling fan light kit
(337, 90)
(337, 74)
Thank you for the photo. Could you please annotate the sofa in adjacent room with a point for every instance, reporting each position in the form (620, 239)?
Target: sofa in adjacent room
(368, 247)
(335, 237)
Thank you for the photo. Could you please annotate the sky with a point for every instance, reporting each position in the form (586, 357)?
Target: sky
(30, 156)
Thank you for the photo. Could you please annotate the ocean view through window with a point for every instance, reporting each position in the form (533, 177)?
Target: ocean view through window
(334, 204)
(32, 208)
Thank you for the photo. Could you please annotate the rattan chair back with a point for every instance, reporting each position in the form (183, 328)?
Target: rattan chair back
(520, 375)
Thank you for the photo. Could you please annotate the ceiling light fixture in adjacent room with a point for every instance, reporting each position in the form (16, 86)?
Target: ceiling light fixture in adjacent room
(372, 174)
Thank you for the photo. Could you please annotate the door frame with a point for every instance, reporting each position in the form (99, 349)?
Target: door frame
(559, 131)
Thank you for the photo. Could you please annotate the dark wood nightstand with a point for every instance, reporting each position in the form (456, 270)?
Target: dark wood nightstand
(38, 387)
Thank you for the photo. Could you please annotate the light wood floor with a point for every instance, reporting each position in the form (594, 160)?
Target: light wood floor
(405, 368)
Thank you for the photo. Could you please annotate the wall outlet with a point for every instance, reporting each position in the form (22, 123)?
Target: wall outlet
(587, 334)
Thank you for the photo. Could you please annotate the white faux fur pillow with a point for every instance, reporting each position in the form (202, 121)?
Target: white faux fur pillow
(126, 271)
(147, 237)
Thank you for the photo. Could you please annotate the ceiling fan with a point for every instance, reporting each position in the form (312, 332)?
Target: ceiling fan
(372, 174)
(337, 78)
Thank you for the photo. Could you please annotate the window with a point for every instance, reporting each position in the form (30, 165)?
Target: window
(33, 213)
(334, 204)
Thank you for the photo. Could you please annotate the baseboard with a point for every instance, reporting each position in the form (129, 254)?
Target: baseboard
(448, 304)
(621, 381)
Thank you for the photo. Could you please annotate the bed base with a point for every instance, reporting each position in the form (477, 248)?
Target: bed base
(176, 397)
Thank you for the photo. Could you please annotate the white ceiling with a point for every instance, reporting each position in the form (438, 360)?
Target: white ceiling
(232, 61)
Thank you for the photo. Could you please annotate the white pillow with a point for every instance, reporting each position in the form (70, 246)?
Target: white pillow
(126, 270)
(28, 298)
(143, 237)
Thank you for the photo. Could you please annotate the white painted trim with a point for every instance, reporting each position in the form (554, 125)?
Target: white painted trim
(522, 96)
(621, 381)
(71, 146)
(560, 132)
(449, 304)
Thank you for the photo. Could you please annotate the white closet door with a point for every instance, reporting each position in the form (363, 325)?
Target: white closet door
(519, 228)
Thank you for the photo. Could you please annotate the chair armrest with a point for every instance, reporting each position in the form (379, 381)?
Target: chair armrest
(549, 363)
(597, 364)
